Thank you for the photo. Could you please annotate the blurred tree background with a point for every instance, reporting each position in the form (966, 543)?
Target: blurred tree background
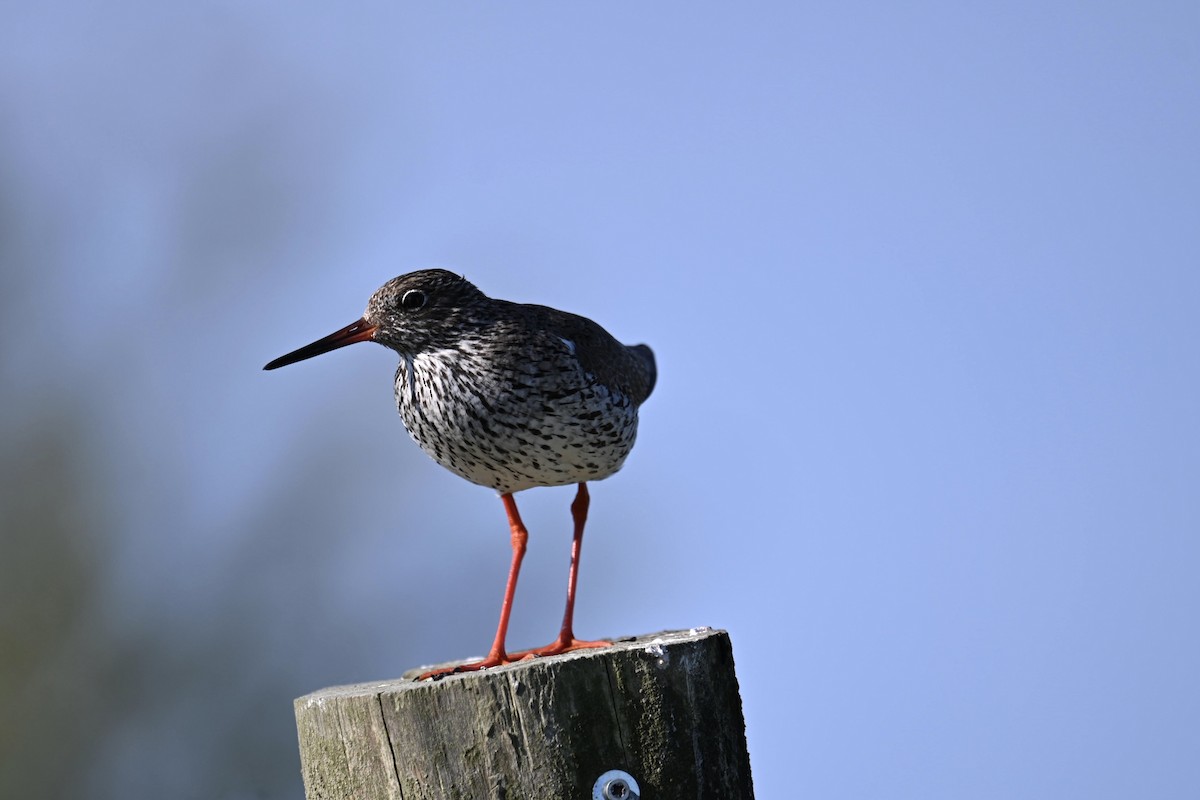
(98, 679)
(148, 642)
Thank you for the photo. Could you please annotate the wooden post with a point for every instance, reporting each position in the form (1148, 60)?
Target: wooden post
(663, 708)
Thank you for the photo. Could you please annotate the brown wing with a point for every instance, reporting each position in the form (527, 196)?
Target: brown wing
(628, 369)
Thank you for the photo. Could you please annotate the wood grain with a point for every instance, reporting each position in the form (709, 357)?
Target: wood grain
(663, 707)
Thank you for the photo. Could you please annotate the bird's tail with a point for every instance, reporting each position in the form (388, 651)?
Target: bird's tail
(645, 359)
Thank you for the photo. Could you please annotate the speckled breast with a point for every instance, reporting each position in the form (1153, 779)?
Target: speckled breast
(534, 419)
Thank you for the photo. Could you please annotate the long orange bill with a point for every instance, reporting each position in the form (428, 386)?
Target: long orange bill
(360, 331)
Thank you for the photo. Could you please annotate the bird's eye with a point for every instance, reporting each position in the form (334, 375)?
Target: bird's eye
(412, 300)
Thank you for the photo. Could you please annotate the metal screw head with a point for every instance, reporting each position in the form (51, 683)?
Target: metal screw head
(616, 785)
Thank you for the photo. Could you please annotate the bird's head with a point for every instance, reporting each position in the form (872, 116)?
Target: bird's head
(427, 309)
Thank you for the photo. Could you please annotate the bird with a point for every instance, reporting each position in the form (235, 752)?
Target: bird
(510, 396)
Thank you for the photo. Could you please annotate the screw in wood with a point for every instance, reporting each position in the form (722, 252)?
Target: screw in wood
(616, 785)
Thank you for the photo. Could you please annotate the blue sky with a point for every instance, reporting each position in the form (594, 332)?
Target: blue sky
(922, 284)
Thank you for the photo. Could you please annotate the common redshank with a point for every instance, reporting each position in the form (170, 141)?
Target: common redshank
(509, 396)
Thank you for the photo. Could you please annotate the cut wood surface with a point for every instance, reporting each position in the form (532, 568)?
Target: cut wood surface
(662, 707)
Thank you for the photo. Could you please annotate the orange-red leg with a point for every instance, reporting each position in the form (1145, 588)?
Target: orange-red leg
(497, 655)
(566, 640)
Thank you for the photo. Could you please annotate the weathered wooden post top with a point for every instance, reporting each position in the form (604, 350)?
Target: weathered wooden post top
(656, 716)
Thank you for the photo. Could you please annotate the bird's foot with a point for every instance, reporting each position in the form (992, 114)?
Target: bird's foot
(493, 660)
(565, 643)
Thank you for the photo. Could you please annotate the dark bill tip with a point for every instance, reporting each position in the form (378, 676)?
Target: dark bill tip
(360, 331)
